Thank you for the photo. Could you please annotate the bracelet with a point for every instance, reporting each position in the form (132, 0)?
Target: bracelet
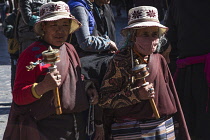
(34, 92)
(100, 125)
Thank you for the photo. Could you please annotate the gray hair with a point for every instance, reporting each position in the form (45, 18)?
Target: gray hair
(162, 42)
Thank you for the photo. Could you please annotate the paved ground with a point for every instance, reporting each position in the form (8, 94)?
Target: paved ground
(5, 90)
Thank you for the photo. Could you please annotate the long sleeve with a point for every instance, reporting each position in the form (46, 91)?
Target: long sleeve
(29, 16)
(87, 41)
(9, 25)
(24, 80)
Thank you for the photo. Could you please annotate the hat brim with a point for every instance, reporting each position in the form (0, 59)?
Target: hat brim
(163, 29)
(75, 24)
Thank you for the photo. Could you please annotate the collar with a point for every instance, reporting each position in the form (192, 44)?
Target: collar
(47, 44)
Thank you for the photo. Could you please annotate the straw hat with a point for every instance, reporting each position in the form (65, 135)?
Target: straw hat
(54, 11)
(141, 17)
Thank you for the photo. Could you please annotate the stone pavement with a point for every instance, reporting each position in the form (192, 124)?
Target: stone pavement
(5, 90)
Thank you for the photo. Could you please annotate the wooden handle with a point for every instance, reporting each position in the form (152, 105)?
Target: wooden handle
(152, 102)
(154, 108)
(57, 101)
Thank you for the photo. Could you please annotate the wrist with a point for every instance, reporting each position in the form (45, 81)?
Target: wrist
(34, 93)
(41, 88)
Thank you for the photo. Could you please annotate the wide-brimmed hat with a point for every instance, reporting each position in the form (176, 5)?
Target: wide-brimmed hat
(141, 17)
(54, 11)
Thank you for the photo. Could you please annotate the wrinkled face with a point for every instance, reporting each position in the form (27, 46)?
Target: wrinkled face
(102, 2)
(56, 32)
(146, 40)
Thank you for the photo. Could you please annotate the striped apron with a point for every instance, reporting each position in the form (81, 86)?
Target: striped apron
(159, 129)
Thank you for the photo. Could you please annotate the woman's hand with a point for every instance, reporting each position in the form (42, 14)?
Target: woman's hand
(93, 95)
(113, 47)
(50, 82)
(146, 92)
(99, 133)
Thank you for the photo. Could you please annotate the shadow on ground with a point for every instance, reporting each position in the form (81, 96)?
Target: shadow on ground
(5, 108)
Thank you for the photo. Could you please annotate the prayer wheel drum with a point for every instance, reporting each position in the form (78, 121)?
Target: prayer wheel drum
(50, 56)
(140, 71)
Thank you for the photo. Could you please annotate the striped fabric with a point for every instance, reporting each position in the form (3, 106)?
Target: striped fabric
(148, 130)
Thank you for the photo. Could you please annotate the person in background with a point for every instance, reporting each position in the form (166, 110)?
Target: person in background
(87, 39)
(2, 10)
(13, 45)
(104, 18)
(188, 36)
(33, 115)
(137, 93)
(27, 17)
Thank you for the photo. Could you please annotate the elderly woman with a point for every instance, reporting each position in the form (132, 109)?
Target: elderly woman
(33, 114)
(137, 92)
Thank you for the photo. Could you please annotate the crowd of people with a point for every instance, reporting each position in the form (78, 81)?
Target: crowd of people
(71, 81)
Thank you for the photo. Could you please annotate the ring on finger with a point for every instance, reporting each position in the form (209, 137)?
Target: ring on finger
(151, 90)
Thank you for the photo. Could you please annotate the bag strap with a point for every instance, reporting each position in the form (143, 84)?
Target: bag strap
(16, 25)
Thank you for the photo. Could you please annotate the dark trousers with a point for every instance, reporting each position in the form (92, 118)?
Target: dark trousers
(63, 127)
(2, 12)
(13, 59)
(193, 91)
